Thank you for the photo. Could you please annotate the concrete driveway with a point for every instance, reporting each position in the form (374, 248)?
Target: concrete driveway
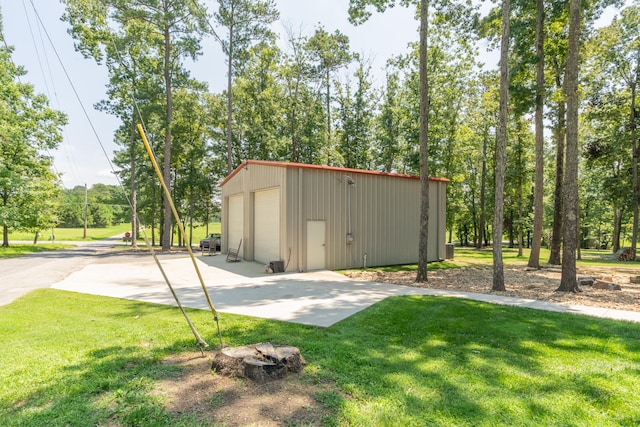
(319, 298)
(315, 298)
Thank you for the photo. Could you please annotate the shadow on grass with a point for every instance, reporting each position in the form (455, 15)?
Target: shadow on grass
(404, 361)
(459, 362)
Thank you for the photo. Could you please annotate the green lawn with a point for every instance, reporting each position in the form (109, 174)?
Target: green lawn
(73, 234)
(590, 257)
(76, 234)
(470, 257)
(18, 250)
(77, 360)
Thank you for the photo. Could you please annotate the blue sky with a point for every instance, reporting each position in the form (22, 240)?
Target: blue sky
(80, 158)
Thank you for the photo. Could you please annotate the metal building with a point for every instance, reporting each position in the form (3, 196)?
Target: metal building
(314, 217)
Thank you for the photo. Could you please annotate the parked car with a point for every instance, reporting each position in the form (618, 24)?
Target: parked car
(212, 240)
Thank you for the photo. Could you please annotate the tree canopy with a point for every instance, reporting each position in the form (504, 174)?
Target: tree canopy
(29, 129)
(309, 98)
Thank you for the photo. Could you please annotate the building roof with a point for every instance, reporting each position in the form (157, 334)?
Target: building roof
(321, 167)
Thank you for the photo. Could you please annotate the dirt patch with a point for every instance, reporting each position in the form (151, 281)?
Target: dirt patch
(522, 283)
(297, 399)
(216, 399)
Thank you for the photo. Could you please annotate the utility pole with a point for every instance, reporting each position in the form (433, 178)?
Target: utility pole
(84, 235)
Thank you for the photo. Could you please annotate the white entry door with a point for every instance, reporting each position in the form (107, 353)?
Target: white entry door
(316, 245)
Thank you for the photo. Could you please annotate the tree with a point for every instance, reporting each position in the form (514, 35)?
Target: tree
(388, 133)
(171, 30)
(501, 149)
(617, 53)
(329, 53)
(568, 281)
(538, 198)
(245, 21)
(259, 113)
(303, 106)
(356, 112)
(28, 127)
(359, 13)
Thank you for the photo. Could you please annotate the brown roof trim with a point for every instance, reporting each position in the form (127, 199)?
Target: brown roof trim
(321, 167)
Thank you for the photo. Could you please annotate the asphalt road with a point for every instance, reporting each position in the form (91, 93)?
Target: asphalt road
(21, 275)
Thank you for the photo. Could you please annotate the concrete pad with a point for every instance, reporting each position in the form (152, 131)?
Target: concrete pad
(315, 298)
(320, 298)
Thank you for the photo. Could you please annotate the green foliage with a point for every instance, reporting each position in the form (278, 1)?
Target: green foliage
(106, 206)
(302, 103)
(405, 360)
(246, 21)
(355, 120)
(28, 129)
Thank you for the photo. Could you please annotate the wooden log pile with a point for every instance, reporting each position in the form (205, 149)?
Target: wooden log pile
(625, 254)
(605, 282)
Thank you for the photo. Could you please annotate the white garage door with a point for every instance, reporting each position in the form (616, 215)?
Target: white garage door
(236, 221)
(267, 225)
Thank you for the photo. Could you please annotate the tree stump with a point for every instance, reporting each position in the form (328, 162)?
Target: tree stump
(258, 362)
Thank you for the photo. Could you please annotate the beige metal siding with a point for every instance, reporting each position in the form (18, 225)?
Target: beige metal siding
(384, 214)
(384, 217)
(248, 180)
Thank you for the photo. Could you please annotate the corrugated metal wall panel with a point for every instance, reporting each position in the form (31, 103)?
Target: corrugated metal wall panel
(248, 180)
(384, 214)
(384, 217)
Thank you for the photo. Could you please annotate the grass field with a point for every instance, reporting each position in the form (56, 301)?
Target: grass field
(77, 360)
(18, 250)
(470, 257)
(76, 234)
(73, 234)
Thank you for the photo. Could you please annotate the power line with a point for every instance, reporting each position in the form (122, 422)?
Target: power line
(4, 41)
(67, 152)
(75, 92)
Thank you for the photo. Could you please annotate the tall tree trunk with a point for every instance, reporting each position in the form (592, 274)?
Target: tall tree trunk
(134, 193)
(556, 236)
(474, 215)
(153, 215)
(510, 229)
(617, 227)
(166, 235)
(538, 198)
(328, 105)
(483, 188)
(568, 281)
(230, 102)
(520, 223)
(636, 153)
(294, 139)
(5, 228)
(423, 241)
(501, 151)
